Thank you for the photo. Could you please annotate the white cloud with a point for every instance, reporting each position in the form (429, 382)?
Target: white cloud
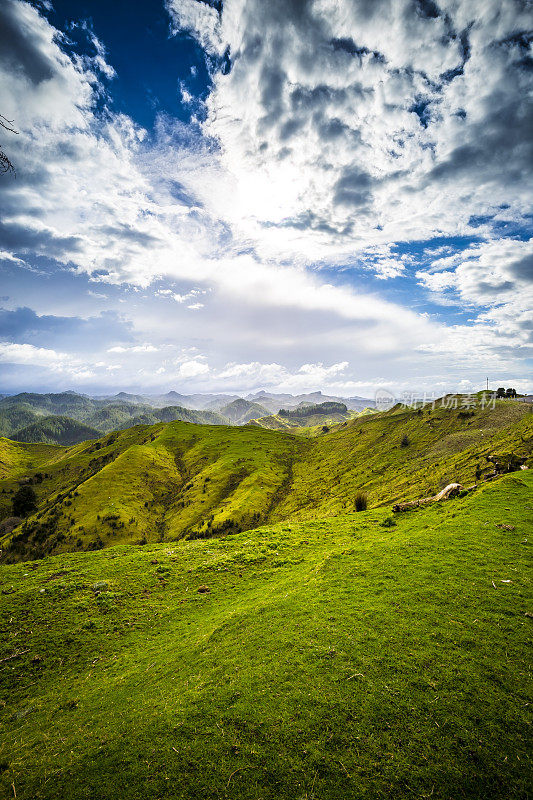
(29, 354)
(332, 136)
(489, 273)
(183, 298)
(355, 122)
(50, 360)
(138, 348)
(496, 277)
(186, 96)
(199, 18)
(5, 256)
(192, 369)
(255, 374)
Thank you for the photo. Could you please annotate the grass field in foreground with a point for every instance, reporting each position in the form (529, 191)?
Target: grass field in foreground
(329, 659)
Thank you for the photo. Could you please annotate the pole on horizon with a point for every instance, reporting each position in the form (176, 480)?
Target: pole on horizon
(487, 384)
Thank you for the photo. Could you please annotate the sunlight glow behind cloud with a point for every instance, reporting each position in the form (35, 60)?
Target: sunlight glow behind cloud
(335, 136)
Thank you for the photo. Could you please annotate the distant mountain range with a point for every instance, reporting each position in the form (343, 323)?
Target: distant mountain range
(276, 401)
(271, 401)
(68, 418)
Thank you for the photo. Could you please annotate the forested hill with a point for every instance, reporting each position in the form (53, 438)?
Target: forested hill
(43, 417)
(56, 430)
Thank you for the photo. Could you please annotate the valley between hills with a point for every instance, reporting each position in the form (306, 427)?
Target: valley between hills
(154, 483)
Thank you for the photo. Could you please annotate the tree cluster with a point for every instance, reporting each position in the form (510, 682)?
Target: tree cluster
(24, 501)
(309, 410)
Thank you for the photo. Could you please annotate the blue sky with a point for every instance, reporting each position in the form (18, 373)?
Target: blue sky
(287, 195)
(149, 63)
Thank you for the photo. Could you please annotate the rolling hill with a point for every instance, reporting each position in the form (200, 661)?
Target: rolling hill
(274, 401)
(69, 404)
(240, 412)
(120, 416)
(200, 402)
(176, 480)
(126, 397)
(176, 413)
(57, 430)
(308, 416)
(22, 416)
(14, 418)
(334, 658)
(105, 414)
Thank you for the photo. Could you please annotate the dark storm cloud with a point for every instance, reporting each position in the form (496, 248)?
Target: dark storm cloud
(128, 233)
(353, 188)
(523, 269)
(22, 239)
(17, 46)
(501, 146)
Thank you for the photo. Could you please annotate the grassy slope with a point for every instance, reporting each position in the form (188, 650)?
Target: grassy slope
(17, 458)
(367, 455)
(303, 422)
(167, 481)
(163, 480)
(331, 659)
(273, 422)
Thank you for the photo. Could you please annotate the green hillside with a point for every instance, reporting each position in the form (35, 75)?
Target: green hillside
(18, 413)
(68, 404)
(14, 418)
(307, 416)
(175, 413)
(57, 430)
(27, 417)
(273, 422)
(337, 658)
(18, 459)
(404, 454)
(115, 415)
(240, 412)
(175, 480)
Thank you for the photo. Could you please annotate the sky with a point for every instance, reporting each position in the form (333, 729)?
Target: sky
(288, 195)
